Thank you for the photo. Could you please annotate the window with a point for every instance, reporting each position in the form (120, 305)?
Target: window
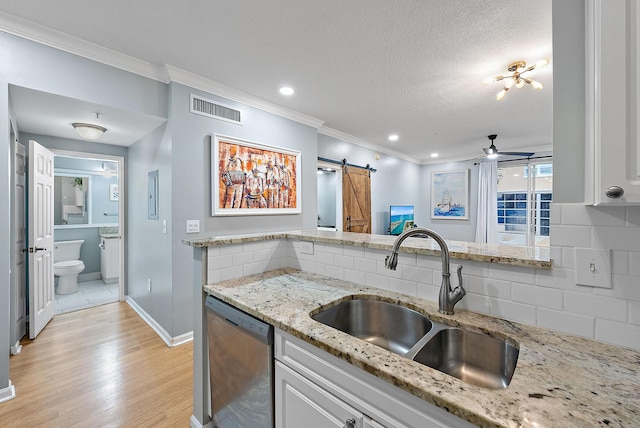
(524, 199)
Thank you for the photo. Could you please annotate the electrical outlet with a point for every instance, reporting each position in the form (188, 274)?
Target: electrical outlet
(193, 226)
(306, 247)
(149, 285)
(593, 267)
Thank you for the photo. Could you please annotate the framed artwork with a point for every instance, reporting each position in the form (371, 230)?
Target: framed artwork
(249, 178)
(450, 195)
(114, 194)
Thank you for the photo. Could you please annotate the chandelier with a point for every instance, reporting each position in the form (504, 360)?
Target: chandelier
(516, 78)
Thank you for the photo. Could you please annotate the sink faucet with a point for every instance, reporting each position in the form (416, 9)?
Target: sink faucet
(448, 297)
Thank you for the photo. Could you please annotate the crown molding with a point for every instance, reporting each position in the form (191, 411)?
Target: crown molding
(204, 84)
(348, 138)
(56, 39)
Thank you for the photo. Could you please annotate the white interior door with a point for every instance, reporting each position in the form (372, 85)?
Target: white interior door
(41, 289)
(19, 239)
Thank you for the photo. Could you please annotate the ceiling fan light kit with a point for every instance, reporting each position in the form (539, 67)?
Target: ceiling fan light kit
(516, 78)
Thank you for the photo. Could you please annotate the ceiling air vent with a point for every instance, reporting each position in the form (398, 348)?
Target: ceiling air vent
(205, 107)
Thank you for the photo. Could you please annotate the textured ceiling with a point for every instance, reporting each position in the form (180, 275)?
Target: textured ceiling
(367, 68)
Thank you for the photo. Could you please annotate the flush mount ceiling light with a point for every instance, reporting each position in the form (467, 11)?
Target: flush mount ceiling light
(286, 90)
(89, 131)
(516, 78)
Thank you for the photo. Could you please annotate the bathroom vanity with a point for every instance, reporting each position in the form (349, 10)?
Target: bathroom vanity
(559, 379)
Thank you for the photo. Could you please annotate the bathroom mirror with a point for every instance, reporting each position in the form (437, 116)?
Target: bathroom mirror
(84, 192)
(71, 194)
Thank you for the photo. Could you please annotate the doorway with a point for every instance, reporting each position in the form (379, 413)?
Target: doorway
(88, 206)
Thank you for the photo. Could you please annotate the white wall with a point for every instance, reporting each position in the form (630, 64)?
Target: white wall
(395, 182)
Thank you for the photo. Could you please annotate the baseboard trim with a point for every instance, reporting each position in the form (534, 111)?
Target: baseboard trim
(194, 423)
(9, 393)
(164, 335)
(16, 349)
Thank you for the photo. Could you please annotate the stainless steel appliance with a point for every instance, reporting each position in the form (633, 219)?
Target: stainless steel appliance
(240, 367)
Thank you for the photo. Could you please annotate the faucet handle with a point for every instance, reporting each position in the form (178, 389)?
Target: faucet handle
(462, 290)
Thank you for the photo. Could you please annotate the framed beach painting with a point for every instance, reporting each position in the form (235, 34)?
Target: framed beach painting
(249, 178)
(450, 195)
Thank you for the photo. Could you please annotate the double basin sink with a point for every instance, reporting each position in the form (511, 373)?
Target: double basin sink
(472, 357)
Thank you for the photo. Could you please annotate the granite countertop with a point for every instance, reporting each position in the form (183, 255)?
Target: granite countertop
(534, 257)
(560, 380)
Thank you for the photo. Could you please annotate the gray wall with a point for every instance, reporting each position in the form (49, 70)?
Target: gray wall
(35, 66)
(396, 181)
(456, 230)
(568, 100)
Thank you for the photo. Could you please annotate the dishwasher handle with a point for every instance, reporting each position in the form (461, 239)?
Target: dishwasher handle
(240, 320)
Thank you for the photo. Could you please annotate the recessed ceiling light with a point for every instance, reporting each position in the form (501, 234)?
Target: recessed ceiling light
(393, 137)
(286, 90)
(434, 155)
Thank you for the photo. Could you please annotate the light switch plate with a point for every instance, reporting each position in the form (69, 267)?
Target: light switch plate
(306, 247)
(193, 226)
(593, 267)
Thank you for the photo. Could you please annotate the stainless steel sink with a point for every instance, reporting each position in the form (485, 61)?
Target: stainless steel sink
(392, 327)
(475, 358)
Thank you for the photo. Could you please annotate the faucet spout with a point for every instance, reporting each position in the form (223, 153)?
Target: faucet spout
(447, 298)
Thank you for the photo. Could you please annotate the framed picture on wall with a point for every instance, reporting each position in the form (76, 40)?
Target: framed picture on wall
(114, 194)
(249, 178)
(450, 195)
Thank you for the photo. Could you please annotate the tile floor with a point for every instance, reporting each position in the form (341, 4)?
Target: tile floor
(91, 293)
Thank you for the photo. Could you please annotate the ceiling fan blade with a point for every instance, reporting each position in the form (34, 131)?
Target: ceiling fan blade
(523, 154)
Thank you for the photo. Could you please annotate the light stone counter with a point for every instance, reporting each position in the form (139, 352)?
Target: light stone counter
(537, 257)
(560, 380)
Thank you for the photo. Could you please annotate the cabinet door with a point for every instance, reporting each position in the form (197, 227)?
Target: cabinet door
(614, 100)
(302, 404)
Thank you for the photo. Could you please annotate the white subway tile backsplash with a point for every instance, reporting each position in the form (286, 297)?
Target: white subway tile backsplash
(617, 238)
(568, 257)
(512, 273)
(555, 215)
(620, 262)
(382, 270)
(634, 313)
(489, 287)
(407, 259)
(231, 272)
(618, 333)
(405, 287)
(471, 268)
(261, 255)
(429, 292)
(252, 246)
(313, 267)
(538, 296)
(570, 236)
(477, 303)
(556, 256)
(325, 258)
(357, 277)
(365, 265)
(634, 264)
(353, 251)
(231, 249)
(581, 325)
(429, 262)
(255, 268)
(597, 306)
(513, 311)
(242, 258)
(580, 214)
(624, 287)
(557, 278)
(335, 272)
(344, 261)
(220, 262)
(375, 280)
(417, 274)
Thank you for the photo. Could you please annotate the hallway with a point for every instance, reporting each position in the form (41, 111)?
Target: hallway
(100, 367)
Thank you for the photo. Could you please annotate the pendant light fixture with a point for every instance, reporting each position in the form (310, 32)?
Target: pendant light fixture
(516, 78)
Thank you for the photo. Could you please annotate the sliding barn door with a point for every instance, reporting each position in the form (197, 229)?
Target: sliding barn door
(356, 199)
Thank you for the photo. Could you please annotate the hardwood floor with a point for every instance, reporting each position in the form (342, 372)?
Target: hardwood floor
(100, 367)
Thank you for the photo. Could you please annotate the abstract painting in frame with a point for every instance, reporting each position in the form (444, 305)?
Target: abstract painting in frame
(450, 195)
(249, 178)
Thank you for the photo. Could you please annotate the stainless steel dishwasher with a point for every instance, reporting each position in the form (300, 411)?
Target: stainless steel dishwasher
(240, 367)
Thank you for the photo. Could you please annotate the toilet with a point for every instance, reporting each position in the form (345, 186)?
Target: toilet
(67, 265)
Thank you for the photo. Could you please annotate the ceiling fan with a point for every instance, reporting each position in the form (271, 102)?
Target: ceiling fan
(492, 152)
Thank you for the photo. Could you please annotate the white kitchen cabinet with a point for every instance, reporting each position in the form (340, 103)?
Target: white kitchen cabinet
(613, 102)
(310, 381)
(301, 403)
